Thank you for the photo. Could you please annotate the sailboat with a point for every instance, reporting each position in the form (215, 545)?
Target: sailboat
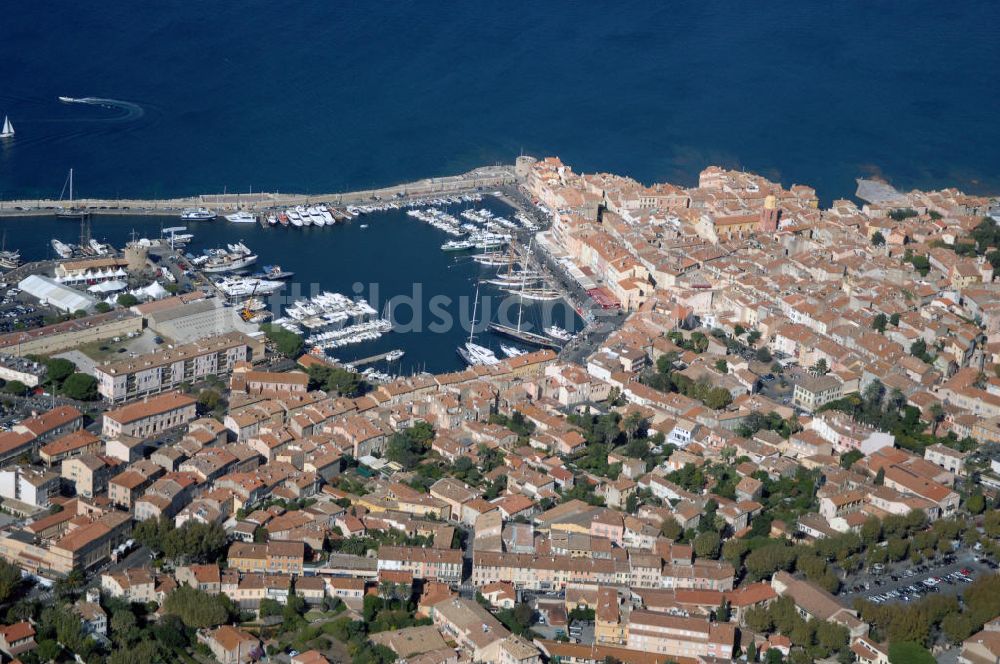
(71, 212)
(474, 354)
(8, 128)
(517, 332)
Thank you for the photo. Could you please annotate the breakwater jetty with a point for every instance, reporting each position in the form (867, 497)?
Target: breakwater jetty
(477, 179)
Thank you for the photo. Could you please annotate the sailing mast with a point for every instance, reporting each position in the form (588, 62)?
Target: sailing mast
(71, 212)
(475, 305)
(8, 128)
(524, 280)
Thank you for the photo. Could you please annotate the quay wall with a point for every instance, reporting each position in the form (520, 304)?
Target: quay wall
(485, 177)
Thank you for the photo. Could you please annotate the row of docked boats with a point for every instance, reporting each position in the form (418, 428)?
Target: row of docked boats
(65, 250)
(329, 310)
(205, 214)
(352, 334)
(301, 215)
(524, 282)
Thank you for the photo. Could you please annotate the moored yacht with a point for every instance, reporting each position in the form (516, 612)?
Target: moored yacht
(558, 333)
(10, 259)
(247, 286)
(458, 245)
(476, 355)
(273, 272)
(62, 249)
(197, 214)
(241, 217)
(511, 351)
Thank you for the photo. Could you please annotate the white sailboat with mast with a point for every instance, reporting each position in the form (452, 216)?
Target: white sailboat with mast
(8, 128)
(474, 354)
(72, 212)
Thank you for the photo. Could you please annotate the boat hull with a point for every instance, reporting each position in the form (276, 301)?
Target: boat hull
(526, 337)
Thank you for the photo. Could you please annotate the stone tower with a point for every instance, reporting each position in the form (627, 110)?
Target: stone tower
(769, 215)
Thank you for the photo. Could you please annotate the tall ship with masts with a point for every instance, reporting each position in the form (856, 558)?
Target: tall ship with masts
(516, 332)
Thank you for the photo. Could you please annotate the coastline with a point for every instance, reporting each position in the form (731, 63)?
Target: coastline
(478, 178)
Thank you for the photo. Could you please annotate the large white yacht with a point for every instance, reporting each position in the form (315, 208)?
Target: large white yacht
(241, 217)
(198, 214)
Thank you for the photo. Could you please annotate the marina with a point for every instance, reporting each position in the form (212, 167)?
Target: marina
(396, 258)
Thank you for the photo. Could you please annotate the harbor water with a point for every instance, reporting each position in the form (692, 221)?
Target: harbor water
(389, 258)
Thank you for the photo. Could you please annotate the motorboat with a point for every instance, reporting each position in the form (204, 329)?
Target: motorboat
(197, 214)
(241, 217)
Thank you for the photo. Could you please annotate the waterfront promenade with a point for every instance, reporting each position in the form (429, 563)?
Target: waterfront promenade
(479, 178)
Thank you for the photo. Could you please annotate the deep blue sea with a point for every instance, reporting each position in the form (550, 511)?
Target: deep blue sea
(319, 96)
(312, 96)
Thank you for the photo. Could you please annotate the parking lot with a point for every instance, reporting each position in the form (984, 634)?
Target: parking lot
(17, 313)
(904, 582)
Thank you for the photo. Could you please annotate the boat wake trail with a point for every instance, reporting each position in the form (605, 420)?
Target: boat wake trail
(128, 110)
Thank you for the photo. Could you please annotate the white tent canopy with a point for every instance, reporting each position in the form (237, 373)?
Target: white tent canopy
(108, 287)
(48, 291)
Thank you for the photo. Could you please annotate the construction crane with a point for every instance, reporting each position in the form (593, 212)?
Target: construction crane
(247, 313)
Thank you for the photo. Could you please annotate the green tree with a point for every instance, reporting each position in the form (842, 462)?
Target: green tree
(706, 545)
(820, 368)
(768, 559)
(47, 651)
(127, 300)
(80, 386)
(878, 239)
(670, 528)
(288, 343)
(936, 412)
(733, 551)
(269, 607)
(957, 627)
(10, 579)
(879, 323)
(140, 653)
(849, 458)
(102, 307)
(124, 627)
(523, 614)
(723, 612)
(196, 608)
(59, 369)
(192, 542)
(918, 349)
(15, 387)
(170, 632)
(409, 446)
(976, 503)
(209, 399)
(763, 354)
(718, 398)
